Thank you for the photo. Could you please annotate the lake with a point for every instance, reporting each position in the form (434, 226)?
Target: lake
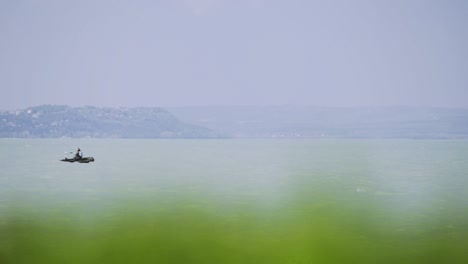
(363, 196)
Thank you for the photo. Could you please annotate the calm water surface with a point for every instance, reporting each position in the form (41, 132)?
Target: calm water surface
(396, 174)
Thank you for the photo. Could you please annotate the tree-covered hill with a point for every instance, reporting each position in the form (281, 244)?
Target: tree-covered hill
(52, 121)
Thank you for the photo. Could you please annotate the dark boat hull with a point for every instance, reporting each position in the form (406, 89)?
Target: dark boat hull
(82, 160)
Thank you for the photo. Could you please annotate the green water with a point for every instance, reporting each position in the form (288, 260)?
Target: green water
(234, 201)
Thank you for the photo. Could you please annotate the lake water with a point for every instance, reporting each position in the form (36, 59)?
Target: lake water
(411, 185)
(266, 171)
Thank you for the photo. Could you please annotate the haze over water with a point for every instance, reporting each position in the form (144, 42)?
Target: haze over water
(235, 201)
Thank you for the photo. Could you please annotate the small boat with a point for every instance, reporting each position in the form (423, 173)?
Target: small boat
(79, 160)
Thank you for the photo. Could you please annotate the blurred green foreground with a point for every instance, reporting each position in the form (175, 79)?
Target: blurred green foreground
(200, 231)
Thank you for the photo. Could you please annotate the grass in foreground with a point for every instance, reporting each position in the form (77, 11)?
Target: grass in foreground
(196, 231)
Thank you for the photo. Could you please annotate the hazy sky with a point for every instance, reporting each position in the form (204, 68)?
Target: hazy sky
(234, 52)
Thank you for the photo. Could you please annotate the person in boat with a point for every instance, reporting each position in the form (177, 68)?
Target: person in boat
(78, 154)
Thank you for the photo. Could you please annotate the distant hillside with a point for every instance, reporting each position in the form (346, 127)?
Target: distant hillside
(329, 122)
(51, 121)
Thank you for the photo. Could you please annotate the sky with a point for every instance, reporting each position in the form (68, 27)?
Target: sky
(233, 52)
